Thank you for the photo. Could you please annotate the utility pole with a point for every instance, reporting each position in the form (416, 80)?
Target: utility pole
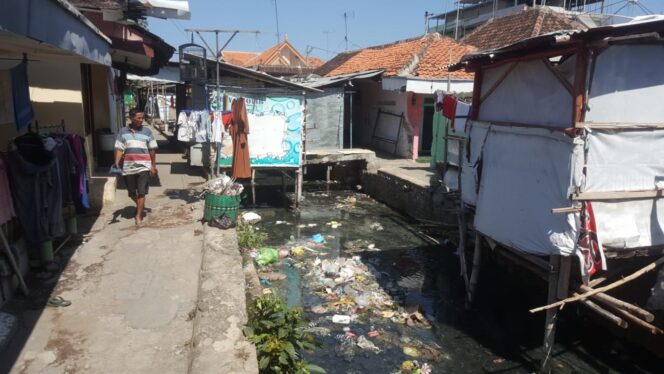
(217, 56)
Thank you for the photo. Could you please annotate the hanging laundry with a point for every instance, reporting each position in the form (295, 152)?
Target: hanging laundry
(23, 113)
(184, 131)
(79, 181)
(239, 129)
(449, 106)
(36, 189)
(453, 109)
(219, 125)
(195, 126)
(5, 194)
(591, 253)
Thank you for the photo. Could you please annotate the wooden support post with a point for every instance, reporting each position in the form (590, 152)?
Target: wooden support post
(328, 171)
(475, 274)
(298, 187)
(253, 186)
(551, 314)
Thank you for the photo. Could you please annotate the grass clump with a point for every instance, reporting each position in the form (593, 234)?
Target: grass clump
(277, 332)
(249, 237)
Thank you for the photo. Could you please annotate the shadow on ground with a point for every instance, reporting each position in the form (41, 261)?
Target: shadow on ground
(41, 283)
(188, 196)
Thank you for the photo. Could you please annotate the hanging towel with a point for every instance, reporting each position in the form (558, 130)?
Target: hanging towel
(239, 129)
(449, 106)
(23, 113)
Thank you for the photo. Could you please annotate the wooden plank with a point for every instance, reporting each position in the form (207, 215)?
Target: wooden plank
(621, 125)
(617, 195)
(579, 95)
(570, 209)
(528, 126)
(477, 92)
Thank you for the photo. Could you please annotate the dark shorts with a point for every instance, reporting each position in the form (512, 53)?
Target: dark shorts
(137, 184)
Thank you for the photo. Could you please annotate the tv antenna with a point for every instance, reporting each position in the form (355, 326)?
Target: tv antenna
(276, 18)
(350, 14)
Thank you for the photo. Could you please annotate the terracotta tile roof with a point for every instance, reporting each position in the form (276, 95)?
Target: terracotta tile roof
(315, 62)
(252, 59)
(389, 57)
(265, 56)
(238, 58)
(423, 57)
(442, 52)
(503, 31)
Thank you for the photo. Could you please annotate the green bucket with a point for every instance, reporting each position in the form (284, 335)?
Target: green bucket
(217, 205)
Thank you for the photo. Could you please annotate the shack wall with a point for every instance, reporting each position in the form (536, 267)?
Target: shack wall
(325, 119)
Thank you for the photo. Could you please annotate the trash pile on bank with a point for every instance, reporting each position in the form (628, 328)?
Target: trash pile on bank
(353, 308)
(224, 186)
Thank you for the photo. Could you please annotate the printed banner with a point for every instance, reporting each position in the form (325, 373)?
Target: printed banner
(275, 132)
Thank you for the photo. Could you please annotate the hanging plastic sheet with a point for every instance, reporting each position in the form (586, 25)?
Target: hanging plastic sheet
(23, 112)
(525, 174)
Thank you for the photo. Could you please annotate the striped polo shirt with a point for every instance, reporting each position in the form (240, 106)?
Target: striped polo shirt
(136, 145)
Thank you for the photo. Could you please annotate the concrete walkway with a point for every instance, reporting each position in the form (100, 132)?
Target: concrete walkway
(135, 291)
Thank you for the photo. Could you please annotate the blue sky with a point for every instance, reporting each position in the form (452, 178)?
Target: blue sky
(318, 23)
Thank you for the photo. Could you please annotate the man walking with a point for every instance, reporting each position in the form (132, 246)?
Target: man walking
(139, 148)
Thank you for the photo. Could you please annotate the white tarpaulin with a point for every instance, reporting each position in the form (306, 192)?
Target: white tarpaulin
(477, 132)
(628, 85)
(529, 94)
(630, 223)
(269, 142)
(525, 174)
(630, 160)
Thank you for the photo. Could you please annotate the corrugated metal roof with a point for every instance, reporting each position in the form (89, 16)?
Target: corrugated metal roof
(329, 81)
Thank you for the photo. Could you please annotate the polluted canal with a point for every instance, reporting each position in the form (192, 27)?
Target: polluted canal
(381, 297)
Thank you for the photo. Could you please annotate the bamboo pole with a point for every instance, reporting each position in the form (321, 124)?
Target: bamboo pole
(607, 299)
(604, 313)
(638, 322)
(611, 286)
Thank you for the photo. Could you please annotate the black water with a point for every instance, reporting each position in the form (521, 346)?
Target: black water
(497, 335)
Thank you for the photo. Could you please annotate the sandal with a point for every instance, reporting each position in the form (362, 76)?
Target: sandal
(58, 302)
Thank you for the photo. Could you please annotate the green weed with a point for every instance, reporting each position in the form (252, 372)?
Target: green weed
(249, 237)
(277, 332)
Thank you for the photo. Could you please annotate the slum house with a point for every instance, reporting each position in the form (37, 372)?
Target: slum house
(564, 166)
(38, 39)
(275, 107)
(495, 33)
(393, 113)
(135, 52)
(60, 84)
(281, 60)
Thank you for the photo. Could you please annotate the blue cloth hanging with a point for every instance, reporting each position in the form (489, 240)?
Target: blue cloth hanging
(23, 113)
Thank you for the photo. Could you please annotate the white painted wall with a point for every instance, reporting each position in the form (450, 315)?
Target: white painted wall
(424, 86)
(373, 98)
